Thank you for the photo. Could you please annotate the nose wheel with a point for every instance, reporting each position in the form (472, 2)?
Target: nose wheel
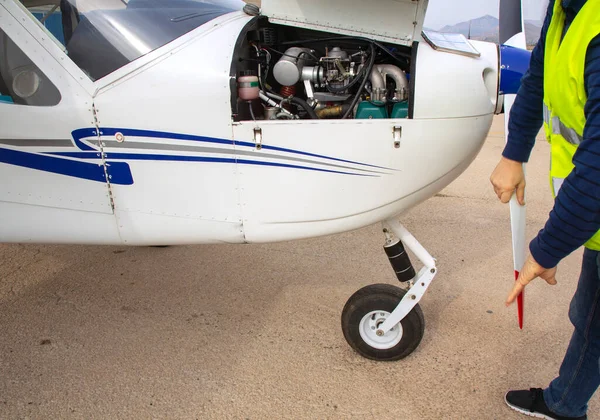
(364, 314)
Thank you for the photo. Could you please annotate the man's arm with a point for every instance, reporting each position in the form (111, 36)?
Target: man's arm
(526, 116)
(575, 217)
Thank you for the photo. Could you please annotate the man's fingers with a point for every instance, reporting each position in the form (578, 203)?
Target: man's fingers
(516, 291)
(506, 177)
(521, 194)
(524, 279)
(505, 196)
(551, 281)
(531, 270)
(498, 192)
(550, 276)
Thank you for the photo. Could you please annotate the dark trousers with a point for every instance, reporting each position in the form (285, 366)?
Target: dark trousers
(579, 376)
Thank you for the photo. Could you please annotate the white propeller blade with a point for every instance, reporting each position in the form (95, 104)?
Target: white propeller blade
(512, 33)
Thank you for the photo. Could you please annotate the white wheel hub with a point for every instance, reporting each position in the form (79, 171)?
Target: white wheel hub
(369, 328)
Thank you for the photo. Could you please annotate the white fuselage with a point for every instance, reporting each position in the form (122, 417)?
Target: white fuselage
(181, 171)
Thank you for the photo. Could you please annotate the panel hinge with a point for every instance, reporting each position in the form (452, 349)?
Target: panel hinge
(258, 137)
(397, 136)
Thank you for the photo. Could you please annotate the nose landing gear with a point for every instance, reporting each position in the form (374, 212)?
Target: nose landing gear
(384, 322)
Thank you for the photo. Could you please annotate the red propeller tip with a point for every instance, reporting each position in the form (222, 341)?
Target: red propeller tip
(519, 303)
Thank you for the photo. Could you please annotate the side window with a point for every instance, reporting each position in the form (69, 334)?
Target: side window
(101, 36)
(51, 18)
(21, 81)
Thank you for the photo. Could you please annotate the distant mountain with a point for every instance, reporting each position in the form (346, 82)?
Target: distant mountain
(485, 28)
(480, 27)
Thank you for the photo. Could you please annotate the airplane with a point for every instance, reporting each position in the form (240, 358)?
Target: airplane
(170, 122)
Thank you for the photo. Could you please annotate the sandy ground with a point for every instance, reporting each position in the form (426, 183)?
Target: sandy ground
(253, 332)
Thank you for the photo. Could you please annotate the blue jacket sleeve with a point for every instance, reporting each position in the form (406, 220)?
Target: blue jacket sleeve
(575, 217)
(526, 116)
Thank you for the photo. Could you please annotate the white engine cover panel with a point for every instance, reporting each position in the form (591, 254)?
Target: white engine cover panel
(326, 195)
(398, 21)
(450, 85)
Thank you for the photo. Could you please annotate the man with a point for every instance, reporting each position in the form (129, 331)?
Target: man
(561, 90)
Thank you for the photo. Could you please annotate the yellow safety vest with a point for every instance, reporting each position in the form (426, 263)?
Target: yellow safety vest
(564, 90)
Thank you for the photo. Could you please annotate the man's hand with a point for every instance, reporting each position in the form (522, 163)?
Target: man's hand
(531, 270)
(508, 177)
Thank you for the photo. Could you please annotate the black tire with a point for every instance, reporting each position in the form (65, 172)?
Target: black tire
(381, 297)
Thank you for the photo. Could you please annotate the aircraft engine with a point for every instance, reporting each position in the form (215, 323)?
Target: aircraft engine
(300, 73)
(320, 76)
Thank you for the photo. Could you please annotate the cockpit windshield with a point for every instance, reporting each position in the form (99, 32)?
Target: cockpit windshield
(101, 36)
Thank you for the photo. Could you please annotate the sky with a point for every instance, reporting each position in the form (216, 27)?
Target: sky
(445, 12)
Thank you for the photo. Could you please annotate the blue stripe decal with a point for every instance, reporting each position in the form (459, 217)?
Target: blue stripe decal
(284, 165)
(119, 171)
(175, 158)
(298, 152)
(175, 136)
(83, 133)
(162, 135)
(79, 155)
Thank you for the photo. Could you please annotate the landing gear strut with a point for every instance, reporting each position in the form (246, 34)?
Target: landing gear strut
(384, 322)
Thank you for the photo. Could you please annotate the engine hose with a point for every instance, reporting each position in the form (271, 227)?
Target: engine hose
(363, 83)
(302, 103)
(273, 95)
